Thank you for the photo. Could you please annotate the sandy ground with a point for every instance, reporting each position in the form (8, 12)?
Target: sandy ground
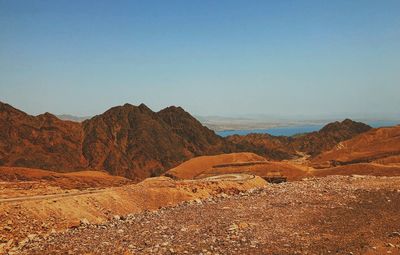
(33, 214)
(250, 163)
(331, 215)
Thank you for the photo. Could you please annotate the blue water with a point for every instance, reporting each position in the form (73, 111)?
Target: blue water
(382, 123)
(285, 131)
(293, 130)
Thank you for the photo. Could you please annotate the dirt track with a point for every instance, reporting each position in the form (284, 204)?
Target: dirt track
(41, 197)
(237, 177)
(333, 215)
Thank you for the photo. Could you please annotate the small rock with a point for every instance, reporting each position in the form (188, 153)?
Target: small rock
(117, 217)
(243, 225)
(31, 236)
(84, 221)
(224, 195)
(233, 227)
(394, 234)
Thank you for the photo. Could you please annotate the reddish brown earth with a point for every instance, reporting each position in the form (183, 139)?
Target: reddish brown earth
(281, 147)
(360, 169)
(249, 163)
(43, 209)
(34, 178)
(381, 145)
(130, 141)
(332, 215)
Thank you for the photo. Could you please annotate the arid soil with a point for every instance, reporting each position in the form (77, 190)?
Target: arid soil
(332, 215)
(28, 180)
(360, 169)
(381, 145)
(205, 166)
(55, 209)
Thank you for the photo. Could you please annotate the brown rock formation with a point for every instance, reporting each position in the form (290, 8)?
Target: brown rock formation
(130, 141)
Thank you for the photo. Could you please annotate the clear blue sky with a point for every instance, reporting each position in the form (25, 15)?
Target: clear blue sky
(289, 58)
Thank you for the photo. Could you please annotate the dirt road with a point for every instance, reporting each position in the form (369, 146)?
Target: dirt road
(52, 196)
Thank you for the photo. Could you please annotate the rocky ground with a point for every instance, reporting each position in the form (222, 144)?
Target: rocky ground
(331, 215)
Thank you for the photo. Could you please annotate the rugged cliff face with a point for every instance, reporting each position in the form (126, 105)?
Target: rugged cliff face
(314, 143)
(130, 141)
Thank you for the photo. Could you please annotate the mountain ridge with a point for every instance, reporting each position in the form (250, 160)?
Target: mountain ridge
(136, 142)
(131, 141)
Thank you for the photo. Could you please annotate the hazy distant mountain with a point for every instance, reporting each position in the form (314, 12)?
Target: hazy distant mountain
(219, 123)
(72, 117)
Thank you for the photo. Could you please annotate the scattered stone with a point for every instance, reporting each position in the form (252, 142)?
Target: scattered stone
(31, 237)
(7, 228)
(84, 222)
(233, 227)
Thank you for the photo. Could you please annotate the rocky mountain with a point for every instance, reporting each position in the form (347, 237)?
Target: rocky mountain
(42, 141)
(198, 139)
(135, 142)
(271, 147)
(130, 141)
(325, 139)
(282, 147)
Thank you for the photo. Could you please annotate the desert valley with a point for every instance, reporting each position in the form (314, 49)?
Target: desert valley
(135, 181)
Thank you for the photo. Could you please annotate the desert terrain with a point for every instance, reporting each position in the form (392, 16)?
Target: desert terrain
(332, 215)
(134, 181)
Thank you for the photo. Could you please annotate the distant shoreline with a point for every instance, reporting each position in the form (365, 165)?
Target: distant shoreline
(290, 130)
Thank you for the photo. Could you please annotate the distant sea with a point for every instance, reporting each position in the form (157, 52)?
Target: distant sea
(293, 130)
